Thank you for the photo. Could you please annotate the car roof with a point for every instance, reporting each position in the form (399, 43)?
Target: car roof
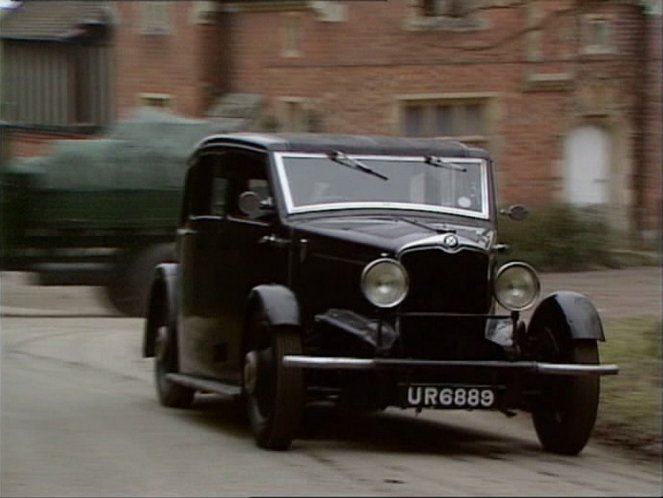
(347, 143)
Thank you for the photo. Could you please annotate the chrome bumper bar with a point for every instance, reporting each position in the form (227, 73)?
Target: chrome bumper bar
(339, 363)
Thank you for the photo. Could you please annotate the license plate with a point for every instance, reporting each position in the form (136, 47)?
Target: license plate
(447, 396)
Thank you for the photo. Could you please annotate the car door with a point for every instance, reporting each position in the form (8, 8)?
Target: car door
(201, 230)
(223, 258)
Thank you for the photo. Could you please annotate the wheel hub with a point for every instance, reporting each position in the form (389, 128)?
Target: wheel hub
(250, 371)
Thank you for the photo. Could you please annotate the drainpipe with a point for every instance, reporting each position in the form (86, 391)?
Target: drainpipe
(640, 140)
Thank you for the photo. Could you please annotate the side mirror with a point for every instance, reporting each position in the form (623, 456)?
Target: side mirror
(517, 212)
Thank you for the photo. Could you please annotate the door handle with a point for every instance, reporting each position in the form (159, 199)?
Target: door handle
(186, 231)
(273, 240)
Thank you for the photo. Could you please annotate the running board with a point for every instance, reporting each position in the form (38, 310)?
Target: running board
(227, 390)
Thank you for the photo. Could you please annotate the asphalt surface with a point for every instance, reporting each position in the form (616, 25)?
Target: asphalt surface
(79, 417)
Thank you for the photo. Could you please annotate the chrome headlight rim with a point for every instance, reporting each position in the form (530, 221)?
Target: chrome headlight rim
(537, 285)
(371, 267)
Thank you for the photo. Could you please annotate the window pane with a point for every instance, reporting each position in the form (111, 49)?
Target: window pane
(260, 187)
(219, 196)
(601, 33)
(414, 116)
(316, 182)
(474, 120)
(444, 121)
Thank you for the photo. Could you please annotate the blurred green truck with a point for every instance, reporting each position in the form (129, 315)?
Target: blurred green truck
(100, 212)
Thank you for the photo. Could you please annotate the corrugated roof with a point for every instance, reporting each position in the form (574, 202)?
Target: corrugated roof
(49, 19)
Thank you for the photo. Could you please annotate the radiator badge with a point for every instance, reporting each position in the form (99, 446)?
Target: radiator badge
(450, 240)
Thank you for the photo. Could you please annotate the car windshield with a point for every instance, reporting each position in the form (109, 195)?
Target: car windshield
(317, 182)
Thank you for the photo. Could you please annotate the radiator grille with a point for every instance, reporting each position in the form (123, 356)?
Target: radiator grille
(440, 281)
(450, 283)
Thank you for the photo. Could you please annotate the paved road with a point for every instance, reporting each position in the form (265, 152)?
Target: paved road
(79, 418)
(616, 293)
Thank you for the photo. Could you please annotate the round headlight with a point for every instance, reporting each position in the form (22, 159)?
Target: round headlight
(384, 282)
(517, 286)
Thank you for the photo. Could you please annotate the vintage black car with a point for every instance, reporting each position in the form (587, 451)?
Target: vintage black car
(362, 270)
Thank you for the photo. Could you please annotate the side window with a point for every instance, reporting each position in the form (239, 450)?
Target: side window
(248, 171)
(260, 187)
(206, 188)
(198, 191)
(219, 192)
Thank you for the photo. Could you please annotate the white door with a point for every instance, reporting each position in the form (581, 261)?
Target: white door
(586, 172)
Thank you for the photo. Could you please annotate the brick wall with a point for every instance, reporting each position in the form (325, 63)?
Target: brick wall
(354, 73)
(173, 64)
(527, 60)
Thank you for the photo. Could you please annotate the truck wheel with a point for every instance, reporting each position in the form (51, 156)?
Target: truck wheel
(129, 289)
(274, 395)
(565, 413)
(165, 362)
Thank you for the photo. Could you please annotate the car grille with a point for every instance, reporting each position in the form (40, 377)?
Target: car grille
(446, 283)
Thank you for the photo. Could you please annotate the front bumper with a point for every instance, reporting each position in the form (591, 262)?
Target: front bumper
(531, 367)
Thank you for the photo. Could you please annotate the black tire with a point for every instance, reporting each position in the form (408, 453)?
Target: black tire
(165, 362)
(565, 414)
(274, 395)
(129, 288)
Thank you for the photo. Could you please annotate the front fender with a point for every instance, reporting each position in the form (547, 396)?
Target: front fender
(163, 293)
(571, 309)
(279, 303)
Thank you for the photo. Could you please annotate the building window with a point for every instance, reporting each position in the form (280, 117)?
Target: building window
(446, 8)
(596, 35)
(466, 120)
(159, 100)
(449, 15)
(329, 11)
(154, 18)
(291, 35)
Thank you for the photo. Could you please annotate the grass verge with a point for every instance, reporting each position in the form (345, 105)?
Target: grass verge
(630, 413)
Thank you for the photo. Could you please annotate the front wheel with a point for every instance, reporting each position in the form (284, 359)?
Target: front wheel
(274, 395)
(565, 413)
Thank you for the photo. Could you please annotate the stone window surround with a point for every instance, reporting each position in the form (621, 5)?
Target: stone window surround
(588, 21)
(165, 100)
(291, 34)
(488, 99)
(416, 20)
(154, 18)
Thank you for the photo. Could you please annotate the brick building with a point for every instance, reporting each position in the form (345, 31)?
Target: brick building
(566, 94)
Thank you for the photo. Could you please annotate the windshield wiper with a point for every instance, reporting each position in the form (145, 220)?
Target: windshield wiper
(420, 224)
(438, 162)
(341, 158)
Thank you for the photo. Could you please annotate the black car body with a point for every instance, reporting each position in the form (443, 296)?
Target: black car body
(361, 269)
